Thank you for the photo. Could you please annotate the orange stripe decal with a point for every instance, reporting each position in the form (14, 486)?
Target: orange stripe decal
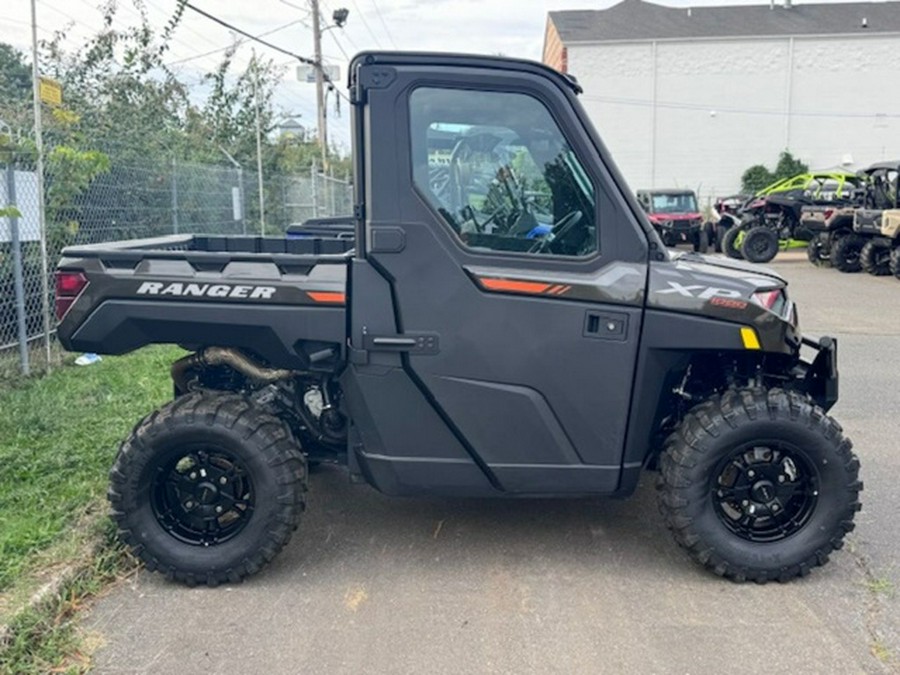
(513, 286)
(327, 297)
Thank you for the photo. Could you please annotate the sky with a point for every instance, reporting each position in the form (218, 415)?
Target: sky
(509, 27)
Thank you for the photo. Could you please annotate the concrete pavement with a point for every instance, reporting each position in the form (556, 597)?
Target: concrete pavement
(371, 584)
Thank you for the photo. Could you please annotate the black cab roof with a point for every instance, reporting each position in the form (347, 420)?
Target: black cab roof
(448, 59)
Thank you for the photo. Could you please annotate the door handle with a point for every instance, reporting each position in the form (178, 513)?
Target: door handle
(397, 342)
(606, 326)
(423, 344)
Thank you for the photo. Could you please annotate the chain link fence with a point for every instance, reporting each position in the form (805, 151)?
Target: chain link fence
(129, 201)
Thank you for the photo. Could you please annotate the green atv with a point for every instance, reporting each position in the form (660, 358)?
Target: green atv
(770, 220)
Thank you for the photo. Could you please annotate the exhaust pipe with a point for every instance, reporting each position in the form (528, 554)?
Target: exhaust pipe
(225, 356)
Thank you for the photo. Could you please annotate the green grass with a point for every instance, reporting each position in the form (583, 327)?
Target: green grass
(58, 438)
(46, 637)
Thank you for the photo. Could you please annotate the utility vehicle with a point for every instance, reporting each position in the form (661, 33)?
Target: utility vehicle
(448, 349)
(827, 224)
(865, 248)
(726, 216)
(890, 230)
(771, 220)
(676, 217)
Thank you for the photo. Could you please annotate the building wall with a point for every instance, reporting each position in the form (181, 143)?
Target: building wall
(554, 51)
(697, 113)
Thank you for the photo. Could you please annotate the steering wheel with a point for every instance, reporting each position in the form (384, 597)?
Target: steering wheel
(559, 231)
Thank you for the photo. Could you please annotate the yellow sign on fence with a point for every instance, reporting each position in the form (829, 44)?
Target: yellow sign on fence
(51, 91)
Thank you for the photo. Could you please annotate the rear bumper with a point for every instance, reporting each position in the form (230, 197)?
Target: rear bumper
(819, 378)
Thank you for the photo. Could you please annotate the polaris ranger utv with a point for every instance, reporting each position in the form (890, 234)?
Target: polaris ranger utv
(449, 350)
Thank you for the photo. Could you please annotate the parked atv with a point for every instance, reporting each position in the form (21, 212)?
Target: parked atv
(773, 214)
(726, 214)
(890, 230)
(772, 222)
(865, 248)
(675, 215)
(827, 224)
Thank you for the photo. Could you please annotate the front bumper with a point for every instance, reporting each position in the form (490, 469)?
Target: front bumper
(819, 378)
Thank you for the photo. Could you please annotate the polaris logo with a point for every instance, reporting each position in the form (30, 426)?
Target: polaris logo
(206, 290)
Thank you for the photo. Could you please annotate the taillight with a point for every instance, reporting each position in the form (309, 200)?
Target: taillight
(69, 286)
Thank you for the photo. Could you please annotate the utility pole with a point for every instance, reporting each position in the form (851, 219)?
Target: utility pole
(320, 82)
(39, 145)
(259, 165)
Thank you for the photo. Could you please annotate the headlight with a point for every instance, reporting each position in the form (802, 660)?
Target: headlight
(773, 300)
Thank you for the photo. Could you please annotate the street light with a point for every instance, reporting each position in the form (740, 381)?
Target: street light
(339, 16)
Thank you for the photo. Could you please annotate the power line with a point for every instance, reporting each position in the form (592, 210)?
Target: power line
(239, 31)
(344, 33)
(383, 23)
(366, 24)
(239, 42)
(338, 44)
(725, 109)
(232, 27)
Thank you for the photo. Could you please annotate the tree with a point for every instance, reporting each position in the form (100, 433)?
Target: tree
(789, 166)
(758, 176)
(15, 75)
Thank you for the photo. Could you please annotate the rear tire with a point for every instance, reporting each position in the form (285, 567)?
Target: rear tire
(759, 485)
(208, 489)
(701, 240)
(721, 230)
(819, 250)
(728, 243)
(845, 253)
(760, 245)
(895, 261)
(875, 258)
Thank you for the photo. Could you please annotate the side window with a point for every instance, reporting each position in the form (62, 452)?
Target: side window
(498, 170)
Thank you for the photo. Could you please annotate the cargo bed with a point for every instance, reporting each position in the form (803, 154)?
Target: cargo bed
(285, 297)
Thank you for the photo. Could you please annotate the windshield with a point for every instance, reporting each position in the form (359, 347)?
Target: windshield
(675, 203)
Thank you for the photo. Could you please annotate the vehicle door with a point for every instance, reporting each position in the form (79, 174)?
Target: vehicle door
(517, 269)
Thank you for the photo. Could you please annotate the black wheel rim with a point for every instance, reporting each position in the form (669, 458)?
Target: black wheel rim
(765, 492)
(202, 496)
(760, 245)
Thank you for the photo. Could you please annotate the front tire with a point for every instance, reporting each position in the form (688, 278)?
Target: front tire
(845, 253)
(760, 245)
(895, 262)
(729, 243)
(818, 251)
(701, 240)
(759, 485)
(208, 489)
(875, 258)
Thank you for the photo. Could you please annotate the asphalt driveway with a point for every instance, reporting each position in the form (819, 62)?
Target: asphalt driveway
(371, 584)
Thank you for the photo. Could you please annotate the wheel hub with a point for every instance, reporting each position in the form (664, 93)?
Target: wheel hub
(203, 497)
(765, 493)
(207, 493)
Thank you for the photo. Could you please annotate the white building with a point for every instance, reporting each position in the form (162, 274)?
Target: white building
(692, 97)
